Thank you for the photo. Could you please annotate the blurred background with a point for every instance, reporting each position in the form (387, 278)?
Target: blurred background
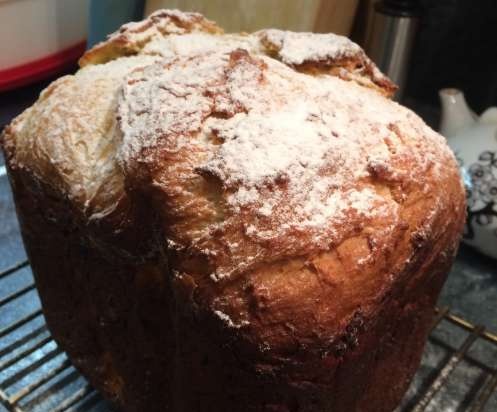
(453, 45)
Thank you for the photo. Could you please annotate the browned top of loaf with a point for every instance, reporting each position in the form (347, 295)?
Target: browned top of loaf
(251, 161)
(272, 160)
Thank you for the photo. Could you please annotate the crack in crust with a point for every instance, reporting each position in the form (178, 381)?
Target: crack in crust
(336, 56)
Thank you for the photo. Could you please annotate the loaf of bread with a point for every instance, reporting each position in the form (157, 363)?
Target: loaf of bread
(234, 222)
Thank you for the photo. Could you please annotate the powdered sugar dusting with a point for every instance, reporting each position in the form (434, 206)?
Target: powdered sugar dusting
(250, 160)
(283, 141)
(70, 133)
(328, 51)
(298, 48)
(295, 154)
(200, 43)
(228, 321)
(159, 23)
(169, 106)
(116, 68)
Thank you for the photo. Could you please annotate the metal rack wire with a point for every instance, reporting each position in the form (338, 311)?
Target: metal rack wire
(36, 376)
(475, 332)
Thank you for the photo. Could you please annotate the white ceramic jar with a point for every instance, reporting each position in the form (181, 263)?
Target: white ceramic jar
(474, 141)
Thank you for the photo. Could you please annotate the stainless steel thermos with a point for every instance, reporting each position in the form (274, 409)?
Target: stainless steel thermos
(391, 37)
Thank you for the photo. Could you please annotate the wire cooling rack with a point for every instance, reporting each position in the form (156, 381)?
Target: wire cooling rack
(36, 376)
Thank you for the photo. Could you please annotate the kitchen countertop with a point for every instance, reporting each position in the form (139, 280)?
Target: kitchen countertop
(470, 291)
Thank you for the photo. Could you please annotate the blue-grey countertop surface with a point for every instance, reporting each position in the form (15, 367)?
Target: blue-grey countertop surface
(470, 291)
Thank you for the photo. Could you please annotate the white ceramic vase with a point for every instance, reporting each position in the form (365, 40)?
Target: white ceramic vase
(474, 141)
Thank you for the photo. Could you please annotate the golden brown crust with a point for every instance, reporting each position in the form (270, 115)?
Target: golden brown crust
(326, 54)
(114, 320)
(338, 55)
(241, 212)
(130, 39)
(235, 233)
